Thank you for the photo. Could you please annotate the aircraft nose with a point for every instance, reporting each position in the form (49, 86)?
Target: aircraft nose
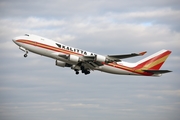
(14, 40)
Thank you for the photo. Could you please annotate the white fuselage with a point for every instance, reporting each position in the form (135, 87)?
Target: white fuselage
(47, 47)
(55, 50)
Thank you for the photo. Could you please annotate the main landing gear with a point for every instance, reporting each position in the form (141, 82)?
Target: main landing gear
(85, 71)
(77, 72)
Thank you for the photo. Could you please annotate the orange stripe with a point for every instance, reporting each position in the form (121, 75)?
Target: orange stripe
(47, 47)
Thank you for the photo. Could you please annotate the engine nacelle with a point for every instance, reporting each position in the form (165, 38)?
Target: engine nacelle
(62, 64)
(73, 58)
(100, 58)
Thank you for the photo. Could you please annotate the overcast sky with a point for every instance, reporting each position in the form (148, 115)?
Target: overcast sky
(33, 88)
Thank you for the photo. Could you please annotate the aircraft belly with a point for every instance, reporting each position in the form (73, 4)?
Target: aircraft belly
(113, 70)
(37, 50)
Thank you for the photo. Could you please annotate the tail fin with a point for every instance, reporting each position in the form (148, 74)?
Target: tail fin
(153, 63)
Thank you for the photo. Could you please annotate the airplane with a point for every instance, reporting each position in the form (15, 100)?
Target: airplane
(84, 61)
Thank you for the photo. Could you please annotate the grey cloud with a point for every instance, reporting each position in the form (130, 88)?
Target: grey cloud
(64, 8)
(34, 88)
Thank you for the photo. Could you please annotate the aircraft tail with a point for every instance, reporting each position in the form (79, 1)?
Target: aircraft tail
(153, 63)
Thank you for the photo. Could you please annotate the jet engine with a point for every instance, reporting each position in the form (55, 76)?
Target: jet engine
(62, 64)
(100, 58)
(73, 58)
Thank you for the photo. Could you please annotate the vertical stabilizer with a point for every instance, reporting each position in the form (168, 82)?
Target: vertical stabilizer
(154, 61)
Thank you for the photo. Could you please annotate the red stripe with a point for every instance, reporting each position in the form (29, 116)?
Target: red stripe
(156, 67)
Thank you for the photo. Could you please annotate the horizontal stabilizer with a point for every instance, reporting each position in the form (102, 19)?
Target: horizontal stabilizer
(157, 71)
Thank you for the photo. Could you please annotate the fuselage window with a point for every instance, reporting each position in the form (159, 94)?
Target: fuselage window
(92, 54)
(71, 49)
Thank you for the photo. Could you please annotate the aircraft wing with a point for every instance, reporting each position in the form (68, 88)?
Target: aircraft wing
(93, 61)
(110, 58)
(123, 56)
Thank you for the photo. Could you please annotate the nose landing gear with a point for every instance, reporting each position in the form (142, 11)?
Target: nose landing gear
(25, 55)
(23, 49)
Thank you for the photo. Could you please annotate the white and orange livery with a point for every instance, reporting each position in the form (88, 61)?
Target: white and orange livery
(81, 60)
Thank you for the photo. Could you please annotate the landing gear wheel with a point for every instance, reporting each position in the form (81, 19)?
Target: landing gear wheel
(87, 72)
(77, 72)
(25, 55)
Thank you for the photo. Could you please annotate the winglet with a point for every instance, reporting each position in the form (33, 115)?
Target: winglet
(142, 53)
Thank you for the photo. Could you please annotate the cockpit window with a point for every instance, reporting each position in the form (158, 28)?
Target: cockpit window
(26, 34)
